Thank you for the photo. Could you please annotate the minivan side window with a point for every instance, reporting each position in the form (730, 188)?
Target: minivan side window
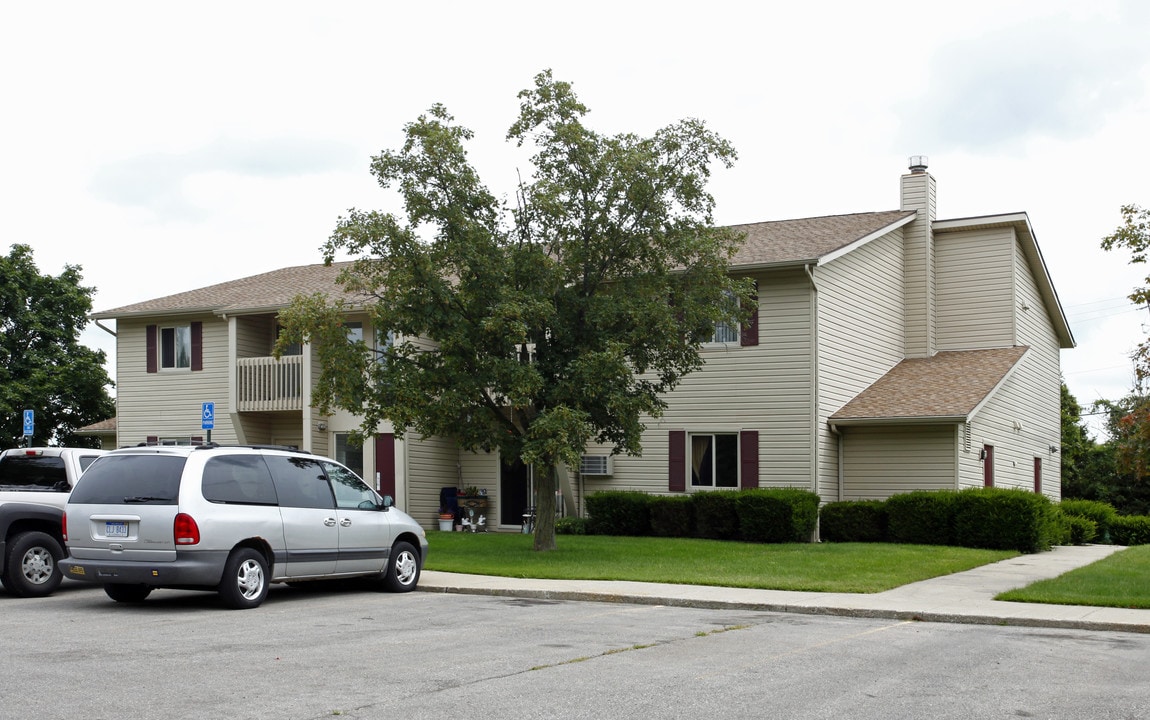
(238, 480)
(300, 482)
(350, 491)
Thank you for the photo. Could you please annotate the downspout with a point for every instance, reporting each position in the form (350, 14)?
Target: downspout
(106, 329)
(838, 434)
(815, 405)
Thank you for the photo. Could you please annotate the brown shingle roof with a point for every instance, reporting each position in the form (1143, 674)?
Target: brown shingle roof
(766, 243)
(792, 241)
(950, 385)
(268, 290)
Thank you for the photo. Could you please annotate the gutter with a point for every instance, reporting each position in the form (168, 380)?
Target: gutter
(105, 328)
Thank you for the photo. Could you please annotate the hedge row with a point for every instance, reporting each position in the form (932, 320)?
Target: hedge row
(765, 515)
(980, 517)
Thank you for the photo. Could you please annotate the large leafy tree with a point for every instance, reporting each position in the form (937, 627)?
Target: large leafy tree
(538, 327)
(42, 365)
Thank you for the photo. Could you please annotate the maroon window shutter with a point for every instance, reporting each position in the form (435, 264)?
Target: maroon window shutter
(677, 461)
(1038, 475)
(150, 347)
(153, 440)
(749, 332)
(197, 346)
(385, 463)
(988, 465)
(749, 459)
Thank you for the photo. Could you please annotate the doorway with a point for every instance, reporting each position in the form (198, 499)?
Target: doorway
(514, 492)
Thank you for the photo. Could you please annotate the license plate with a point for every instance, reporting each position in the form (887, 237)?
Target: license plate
(116, 529)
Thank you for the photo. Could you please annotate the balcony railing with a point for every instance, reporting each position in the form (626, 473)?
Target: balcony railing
(264, 383)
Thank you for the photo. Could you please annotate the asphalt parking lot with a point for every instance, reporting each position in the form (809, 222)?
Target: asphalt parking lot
(356, 653)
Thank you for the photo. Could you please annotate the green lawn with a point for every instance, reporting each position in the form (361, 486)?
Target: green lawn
(824, 567)
(1120, 580)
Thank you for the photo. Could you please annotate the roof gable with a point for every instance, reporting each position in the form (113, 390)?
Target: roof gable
(806, 240)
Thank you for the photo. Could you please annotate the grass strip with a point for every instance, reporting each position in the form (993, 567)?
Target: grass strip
(822, 567)
(1119, 580)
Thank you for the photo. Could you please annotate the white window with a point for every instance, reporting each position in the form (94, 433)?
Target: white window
(715, 460)
(725, 332)
(348, 454)
(176, 347)
(384, 341)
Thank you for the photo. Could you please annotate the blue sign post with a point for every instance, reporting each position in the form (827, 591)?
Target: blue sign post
(208, 418)
(29, 426)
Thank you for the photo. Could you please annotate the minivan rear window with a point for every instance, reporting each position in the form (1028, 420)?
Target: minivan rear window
(130, 480)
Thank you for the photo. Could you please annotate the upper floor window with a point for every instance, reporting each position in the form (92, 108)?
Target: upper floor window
(176, 347)
(725, 333)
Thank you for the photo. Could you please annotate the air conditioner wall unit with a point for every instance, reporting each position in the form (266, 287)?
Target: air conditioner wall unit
(597, 465)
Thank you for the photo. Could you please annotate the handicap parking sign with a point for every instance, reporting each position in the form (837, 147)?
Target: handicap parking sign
(209, 416)
(29, 422)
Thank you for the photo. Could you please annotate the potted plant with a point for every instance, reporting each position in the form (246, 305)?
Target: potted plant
(446, 518)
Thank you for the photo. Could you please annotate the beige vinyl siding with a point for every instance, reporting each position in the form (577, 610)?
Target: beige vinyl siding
(918, 192)
(1022, 420)
(767, 388)
(974, 299)
(860, 305)
(167, 403)
(430, 464)
(886, 461)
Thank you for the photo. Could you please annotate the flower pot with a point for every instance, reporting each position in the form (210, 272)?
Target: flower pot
(445, 523)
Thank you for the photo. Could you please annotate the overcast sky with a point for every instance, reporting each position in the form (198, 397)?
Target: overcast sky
(169, 146)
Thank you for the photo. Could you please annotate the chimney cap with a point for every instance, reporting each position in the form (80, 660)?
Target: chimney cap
(918, 163)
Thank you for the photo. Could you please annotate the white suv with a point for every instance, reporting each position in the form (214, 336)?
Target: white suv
(232, 519)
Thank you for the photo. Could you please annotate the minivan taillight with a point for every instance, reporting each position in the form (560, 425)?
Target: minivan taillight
(185, 531)
(64, 526)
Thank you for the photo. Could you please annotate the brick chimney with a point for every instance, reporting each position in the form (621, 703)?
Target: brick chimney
(918, 194)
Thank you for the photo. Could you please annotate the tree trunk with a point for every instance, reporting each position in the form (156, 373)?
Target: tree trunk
(545, 485)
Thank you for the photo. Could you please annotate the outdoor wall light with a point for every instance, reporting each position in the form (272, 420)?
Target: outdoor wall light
(321, 426)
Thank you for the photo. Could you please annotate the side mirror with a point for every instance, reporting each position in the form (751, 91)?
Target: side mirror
(388, 501)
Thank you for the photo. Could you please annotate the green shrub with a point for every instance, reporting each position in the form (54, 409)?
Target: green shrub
(853, 521)
(777, 515)
(672, 516)
(1131, 530)
(571, 526)
(1002, 519)
(716, 514)
(1101, 513)
(922, 517)
(619, 512)
(1082, 530)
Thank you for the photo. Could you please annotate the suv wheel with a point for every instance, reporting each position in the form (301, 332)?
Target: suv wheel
(402, 569)
(245, 583)
(127, 593)
(32, 566)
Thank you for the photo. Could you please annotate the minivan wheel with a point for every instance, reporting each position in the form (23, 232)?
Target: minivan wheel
(245, 583)
(123, 593)
(402, 568)
(32, 566)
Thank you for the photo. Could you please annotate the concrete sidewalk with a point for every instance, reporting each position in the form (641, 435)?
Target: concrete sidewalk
(965, 597)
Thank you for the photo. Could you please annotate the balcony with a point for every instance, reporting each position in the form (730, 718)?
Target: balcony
(265, 383)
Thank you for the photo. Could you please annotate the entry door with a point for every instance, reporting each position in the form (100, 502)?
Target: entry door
(514, 493)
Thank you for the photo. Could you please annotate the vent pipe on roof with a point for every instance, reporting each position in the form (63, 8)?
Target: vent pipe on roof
(918, 163)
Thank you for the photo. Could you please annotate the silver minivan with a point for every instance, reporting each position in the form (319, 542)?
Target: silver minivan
(233, 520)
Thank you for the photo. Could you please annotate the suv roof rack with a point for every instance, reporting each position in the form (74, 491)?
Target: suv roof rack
(253, 446)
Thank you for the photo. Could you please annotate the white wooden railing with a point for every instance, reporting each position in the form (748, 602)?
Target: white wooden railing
(264, 383)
